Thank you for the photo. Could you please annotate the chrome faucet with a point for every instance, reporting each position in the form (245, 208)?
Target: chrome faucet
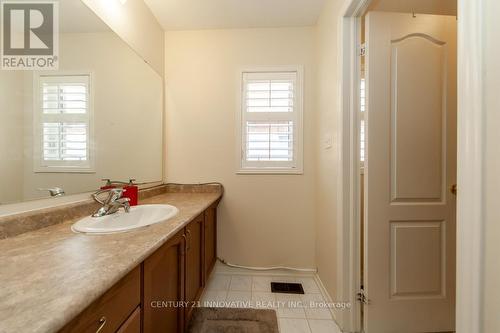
(54, 192)
(112, 203)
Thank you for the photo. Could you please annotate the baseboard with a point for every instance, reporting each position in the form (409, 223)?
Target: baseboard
(270, 270)
(327, 297)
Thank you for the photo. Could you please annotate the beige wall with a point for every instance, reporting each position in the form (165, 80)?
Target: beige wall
(11, 136)
(491, 54)
(136, 25)
(264, 220)
(127, 115)
(436, 7)
(327, 159)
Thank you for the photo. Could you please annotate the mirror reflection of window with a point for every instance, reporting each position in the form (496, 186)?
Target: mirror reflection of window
(99, 115)
(63, 124)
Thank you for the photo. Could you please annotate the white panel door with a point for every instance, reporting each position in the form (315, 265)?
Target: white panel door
(410, 167)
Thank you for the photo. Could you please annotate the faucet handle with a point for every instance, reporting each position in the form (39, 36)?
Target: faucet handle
(113, 195)
(54, 191)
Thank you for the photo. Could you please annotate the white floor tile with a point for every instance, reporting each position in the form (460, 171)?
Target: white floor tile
(219, 282)
(263, 296)
(316, 307)
(323, 326)
(263, 300)
(288, 297)
(309, 284)
(240, 283)
(320, 313)
(297, 313)
(290, 306)
(239, 299)
(294, 326)
(315, 298)
(211, 298)
(261, 283)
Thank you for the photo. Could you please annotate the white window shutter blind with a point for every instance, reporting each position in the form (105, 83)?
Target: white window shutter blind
(64, 123)
(269, 141)
(65, 142)
(271, 116)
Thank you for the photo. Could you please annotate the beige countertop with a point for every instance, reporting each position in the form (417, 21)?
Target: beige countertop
(50, 275)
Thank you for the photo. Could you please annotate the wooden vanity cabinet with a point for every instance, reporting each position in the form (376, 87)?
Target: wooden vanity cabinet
(177, 272)
(194, 263)
(164, 287)
(210, 240)
(112, 310)
(158, 296)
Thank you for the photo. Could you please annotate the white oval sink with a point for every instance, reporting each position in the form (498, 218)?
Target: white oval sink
(138, 217)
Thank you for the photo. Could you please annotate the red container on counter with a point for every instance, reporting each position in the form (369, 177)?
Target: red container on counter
(131, 192)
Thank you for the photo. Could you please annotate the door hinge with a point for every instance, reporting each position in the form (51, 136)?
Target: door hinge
(362, 297)
(362, 50)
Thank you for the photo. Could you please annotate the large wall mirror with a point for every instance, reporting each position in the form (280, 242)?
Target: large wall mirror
(98, 116)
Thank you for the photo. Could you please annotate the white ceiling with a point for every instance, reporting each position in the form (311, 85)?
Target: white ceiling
(228, 14)
(76, 17)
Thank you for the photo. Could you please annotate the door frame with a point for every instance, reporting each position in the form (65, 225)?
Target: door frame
(470, 163)
(349, 233)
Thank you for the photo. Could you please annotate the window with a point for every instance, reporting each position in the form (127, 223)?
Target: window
(62, 123)
(271, 121)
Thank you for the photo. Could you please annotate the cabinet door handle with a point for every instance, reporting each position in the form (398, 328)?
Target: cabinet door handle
(185, 242)
(102, 323)
(189, 239)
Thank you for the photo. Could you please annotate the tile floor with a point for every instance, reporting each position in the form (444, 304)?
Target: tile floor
(234, 287)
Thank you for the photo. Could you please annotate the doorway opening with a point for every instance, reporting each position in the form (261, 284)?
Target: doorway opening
(410, 163)
(430, 187)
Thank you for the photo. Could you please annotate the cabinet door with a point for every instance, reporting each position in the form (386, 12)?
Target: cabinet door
(110, 310)
(133, 323)
(194, 255)
(164, 283)
(210, 240)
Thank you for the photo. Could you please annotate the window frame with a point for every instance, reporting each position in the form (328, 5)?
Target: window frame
(267, 167)
(39, 164)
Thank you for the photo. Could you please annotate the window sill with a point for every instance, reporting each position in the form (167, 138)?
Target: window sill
(63, 170)
(270, 171)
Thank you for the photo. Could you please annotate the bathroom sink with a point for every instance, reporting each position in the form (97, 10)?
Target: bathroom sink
(138, 217)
